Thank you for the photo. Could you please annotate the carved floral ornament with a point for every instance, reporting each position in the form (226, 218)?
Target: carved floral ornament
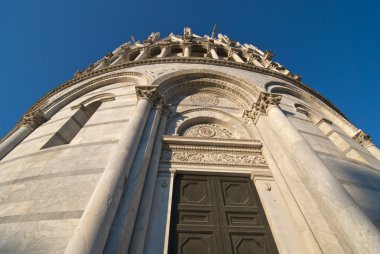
(208, 158)
(208, 131)
(204, 99)
(262, 105)
(212, 152)
(147, 92)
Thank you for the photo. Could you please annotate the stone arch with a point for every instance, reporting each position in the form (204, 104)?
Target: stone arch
(60, 100)
(281, 89)
(154, 51)
(242, 92)
(100, 97)
(198, 50)
(181, 121)
(312, 114)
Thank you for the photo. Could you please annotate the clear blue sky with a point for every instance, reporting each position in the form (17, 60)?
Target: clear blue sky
(334, 45)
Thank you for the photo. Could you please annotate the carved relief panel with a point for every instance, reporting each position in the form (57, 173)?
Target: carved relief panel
(208, 131)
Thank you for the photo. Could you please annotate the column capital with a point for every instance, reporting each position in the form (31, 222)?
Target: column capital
(363, 138)
(146, 92)
(33, 119)
(262, 105)
(266, 101)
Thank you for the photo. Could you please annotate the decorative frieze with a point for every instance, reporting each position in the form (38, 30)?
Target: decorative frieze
(208, 158)
(146, 92)
(363, 139)
(212, 152)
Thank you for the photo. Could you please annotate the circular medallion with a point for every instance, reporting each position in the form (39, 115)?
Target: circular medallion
(206, 132)
(204, 99)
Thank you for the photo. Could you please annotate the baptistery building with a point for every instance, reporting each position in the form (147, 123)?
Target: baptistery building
(188, 144)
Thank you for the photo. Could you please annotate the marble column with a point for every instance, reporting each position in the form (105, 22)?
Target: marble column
(252, 59)
(123, 225)
(346, 220)
(123, 57)
(165, 50)
(186, 50)
(92, 231)
(142, 221)
(365, 140)
(28, 123)
(213, 53)
(142, 55)
(235, 56)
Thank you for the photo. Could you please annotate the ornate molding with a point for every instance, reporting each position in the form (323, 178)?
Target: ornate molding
(261, 106)
(219, 87)
(204, 99)
(207, 158)
(208, 131)
(250, 115)
(212, 152)
(363, 138)
(33, 119)
(147, 92)
(180, 115)
(266, 100)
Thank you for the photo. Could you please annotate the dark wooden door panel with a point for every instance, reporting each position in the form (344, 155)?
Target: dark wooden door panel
(218, 214)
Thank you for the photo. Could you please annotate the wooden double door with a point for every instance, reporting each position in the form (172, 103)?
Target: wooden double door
(218, 214)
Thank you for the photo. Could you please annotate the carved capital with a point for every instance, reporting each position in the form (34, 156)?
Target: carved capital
(250, 115)
(266, 100)
(363, 138)
(33, 119)
(146, 92)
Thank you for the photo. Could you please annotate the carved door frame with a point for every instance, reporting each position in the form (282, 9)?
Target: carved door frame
(187, 155)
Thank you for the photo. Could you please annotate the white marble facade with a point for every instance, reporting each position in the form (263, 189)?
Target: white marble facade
(163, 106)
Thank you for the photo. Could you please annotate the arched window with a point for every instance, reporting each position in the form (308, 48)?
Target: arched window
(71, 128)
